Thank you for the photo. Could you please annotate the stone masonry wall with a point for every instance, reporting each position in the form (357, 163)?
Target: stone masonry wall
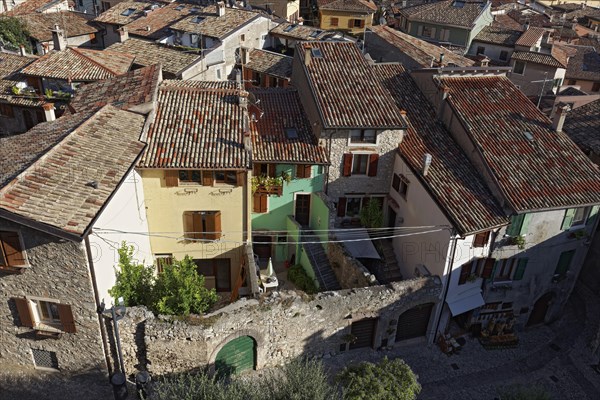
(349, 272)
(284, 324)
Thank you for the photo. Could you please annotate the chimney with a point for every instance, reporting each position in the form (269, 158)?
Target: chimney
(526, 25)
(559, 117)
(123, 34)
(49, 111)
(441, 59)
(307, 56)
(22, 51)
(58, 38)
(245, 55)
(220, 9)
(426, 163)
(574, 25)
(238, 78)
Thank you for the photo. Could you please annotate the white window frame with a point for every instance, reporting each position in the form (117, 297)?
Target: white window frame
(53, 325)
(581, 223)
(354, 158)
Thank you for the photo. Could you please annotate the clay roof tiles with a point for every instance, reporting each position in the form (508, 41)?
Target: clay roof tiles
(295, 31)
(447, 12)
(355, 6)
(40, 25)
(584, 65)
(498, 34)
(156, 23)
(583, 126)
(212, 25)
(125, 12)
(10, 67)
(270, 63)
(530, 37)
(556, 59)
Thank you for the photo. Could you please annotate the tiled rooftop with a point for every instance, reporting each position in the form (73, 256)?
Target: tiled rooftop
(546, 172)
(270, 63)
(584, 65)
(56, 190)
(451, 179)
(32, 6)
(507, 22)
(530, 37)
(583, 126)
(498, 34)
(212, 25)
(447, 12)
(354, 6)
(146, 53)
(282, 109)
(10, 65)
(295, 31)
(155, 25)
(40, 25)
(79, 64)
(125, 12)
(342, 86)
(557, 59)
(419, 50)
(124, 91)
(197, 125)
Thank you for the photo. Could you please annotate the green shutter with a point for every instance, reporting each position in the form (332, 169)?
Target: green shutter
(592, 217)
(525, 224)
(514, 228)
(568, 219)
(493, 274)
(564, 262)
(522, 264)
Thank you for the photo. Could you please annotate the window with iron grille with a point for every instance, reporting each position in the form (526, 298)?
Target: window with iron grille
(44, 359)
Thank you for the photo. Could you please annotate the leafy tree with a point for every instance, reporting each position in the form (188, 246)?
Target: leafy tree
(387, 380)
(298, 276)
(180, 290)
(371, 215)
(134, 281)
(14, 32)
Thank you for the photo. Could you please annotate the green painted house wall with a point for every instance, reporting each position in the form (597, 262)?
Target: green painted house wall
(319, 218)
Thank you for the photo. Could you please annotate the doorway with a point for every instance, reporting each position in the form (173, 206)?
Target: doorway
(302, 212)
(540, 308)
(413, 323)
(261, 245)
(391, 217)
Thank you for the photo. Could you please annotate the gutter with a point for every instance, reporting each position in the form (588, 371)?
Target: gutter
(447, 283)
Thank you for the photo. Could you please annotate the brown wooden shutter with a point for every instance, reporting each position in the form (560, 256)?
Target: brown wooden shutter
(241, 178)
(350, 23)
(197, 226)
(271, 170)
(488, 267)
(263, 203)
(300, 171)
(213, 224)
(256, 203)
(256, 169)
(341, 207)
(373, 160)
(465, 271)
(66, 318)
(24, 311)
(171, 178)
(307, 171)
(347, 171)
(207, 178)
(481, 239)
(188, 224)
(12, 249)
(362, 23)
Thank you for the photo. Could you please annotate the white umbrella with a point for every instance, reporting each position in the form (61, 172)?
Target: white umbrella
(270, 270)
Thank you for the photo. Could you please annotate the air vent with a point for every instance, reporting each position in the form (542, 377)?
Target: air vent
(44, 359)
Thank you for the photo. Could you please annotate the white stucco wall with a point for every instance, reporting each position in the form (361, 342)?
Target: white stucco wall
(125, 212)
(492, 51)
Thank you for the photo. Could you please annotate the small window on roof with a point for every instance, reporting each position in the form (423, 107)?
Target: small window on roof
(197, 20)
(290, 28)
(315, 34)
(195, 9)
(458, 4)
(179, 8)
(128, 12)
(528, 135)
(316, 53)
(291, 133)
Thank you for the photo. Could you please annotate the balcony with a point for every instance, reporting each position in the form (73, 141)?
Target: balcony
(267, 185)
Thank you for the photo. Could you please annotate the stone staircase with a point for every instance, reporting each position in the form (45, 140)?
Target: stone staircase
(320, 262)
(391, 269)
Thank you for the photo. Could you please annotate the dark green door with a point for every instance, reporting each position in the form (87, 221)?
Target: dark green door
(236, 356)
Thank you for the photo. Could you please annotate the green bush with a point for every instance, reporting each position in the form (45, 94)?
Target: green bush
(521, 392)
(387, 380)
(300, 278)
(178, 290)
(371, 215)
(14, 32)
(299, 380)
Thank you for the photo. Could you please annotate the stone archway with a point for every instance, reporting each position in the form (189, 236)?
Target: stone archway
(258, 351)
(413, 322)
(236, 356)
(540, 309)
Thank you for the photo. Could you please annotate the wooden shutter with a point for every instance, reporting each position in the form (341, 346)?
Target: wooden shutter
(303, 171)
(12, 249)
(188, 224)
(207, 178)
(347, 170)
(373, 160)
(362, 23)
(213, 225)
(263, 203)
(592, 217)
(197, 226)
(256, 169)
(433, 33)
(564, 262)
(260, 203)
(350, 23)
(420, 30)
(515, 225)
(241, 178)
(341, 207)
(481, 239)
(465, 271)
(217, 227)
(171, 178)
(66, 318)
(568, 219)
(520, 271)
(488, 268)
(24, 310)
(272, 170)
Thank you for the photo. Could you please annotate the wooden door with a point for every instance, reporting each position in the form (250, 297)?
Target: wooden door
(262, 247)
(540, 308)
(413, 323)
(302, 213)
(364, 331)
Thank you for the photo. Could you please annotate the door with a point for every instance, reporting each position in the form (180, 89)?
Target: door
(262, 246)
(540, 308)
(236, 356)
(28, 119)
(364, 331)
(391, 217)
(302, 214)
(413, 323)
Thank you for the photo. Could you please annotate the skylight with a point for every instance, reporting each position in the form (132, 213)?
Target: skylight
(197, 20)
(315, 34)
(195, 9)
(290, 28)
(458, 4)
(179, 8)
(291, 133)
(528, 135)
(128, 12)
(316, 53)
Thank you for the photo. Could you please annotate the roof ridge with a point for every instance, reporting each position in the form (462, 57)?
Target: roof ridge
(77, 51)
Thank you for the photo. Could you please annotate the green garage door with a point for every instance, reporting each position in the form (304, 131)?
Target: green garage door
(236, 356)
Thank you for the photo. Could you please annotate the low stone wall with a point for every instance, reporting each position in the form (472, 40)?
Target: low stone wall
(349, 272)
(285, 325)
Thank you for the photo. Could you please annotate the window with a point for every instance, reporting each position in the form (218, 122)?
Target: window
(504, 269)
(303, 171)
(228, 177)
(260, 203)
(242, 37)
(45, 314)
(163, 260)
(480, 50)
(190, 176)
(360, 164)
(219, 74)
(563, 265)
(519, 67)
(12, 255)
(6, 110)
(445, 34)
(264, 170)
(128, 12)
(351, 206)
(595, 87)
(334, 21)
(363, 136)
(518, 225)
(217, 272)
(197, 20)
(291, 133)
(426, 31)
(572, 82)
(44, 359)
(472, 269)
(400, 184)
(481, 239)
(396, 182)
(316, 52)
(557, 82)
(359, 23)
(504, 55)
(579, 216)
(520, 271)
(202, 225)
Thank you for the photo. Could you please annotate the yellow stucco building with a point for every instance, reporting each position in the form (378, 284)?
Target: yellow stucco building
(352, 16)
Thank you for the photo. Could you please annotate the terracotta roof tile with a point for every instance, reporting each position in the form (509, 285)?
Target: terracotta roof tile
(419, 50)
(451, 180)
(354, 6)
(295, 31)
(40, 25)
(583, 126)
(56, 190)
(553, 60)
(80, 64)
(213, 25)
(270, 63)
(530, 37)
(125, 12)
(10, 67)
(281, 109)
(544, 173)
(155, 25)
(32, 6)
(197, 126)
(498, 34)
(585, 65)
(445, 12)
(342, 85)
(172, 59)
